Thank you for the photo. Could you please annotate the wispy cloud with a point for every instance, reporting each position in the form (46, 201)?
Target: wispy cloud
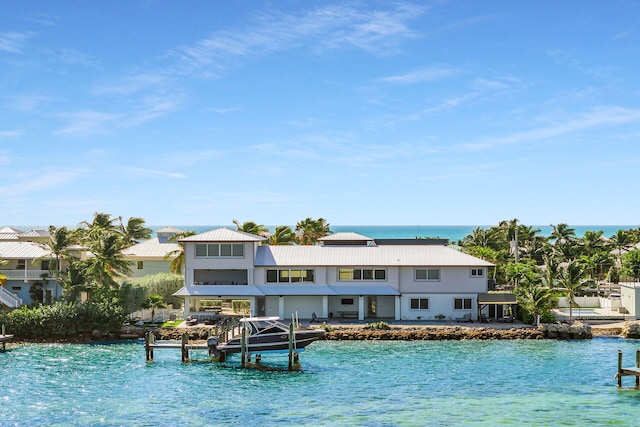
(13, 42)
(84, 123)
(154, 173)
(6, 134)
(598, 117)
(424, 75)
(151, 107)
(43, 181)
(329, 28)
(71, 57)
(132, 84)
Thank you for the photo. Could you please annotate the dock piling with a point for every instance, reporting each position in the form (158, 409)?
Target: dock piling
(626, 372)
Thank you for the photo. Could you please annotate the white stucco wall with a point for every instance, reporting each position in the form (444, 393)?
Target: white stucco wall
(438, 304)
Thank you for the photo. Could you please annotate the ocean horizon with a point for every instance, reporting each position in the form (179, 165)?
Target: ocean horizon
(452, 232)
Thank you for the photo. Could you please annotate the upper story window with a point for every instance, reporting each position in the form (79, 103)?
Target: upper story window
(286, 275)
(477, 272)
(362, 274)
(21, 265)
(219, 250)
(428, 274)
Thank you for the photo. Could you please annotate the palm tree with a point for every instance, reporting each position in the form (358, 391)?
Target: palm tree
(631, 264)
(571, 277)
(153, 302)
(135, 231)
(107, 262)
(564, 240)
(592, 241)
(308, 231)
(177, 263)
(534, 298)
(58, 243)
(621, 242)
(283, 235)
(252, 228)
(551, 270)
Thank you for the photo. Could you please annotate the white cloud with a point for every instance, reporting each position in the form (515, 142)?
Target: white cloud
(598, 117)
(83, 123)
(424, 75)
(131, 84)
(43, 181)
(329, 28)
(154, 173)
(13, 42)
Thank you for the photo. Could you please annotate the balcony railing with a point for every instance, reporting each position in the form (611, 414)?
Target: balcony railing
(26, 274)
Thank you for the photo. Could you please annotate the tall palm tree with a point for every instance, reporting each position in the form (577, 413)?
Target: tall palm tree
(177, 261)
(571, 277)
(283, 235)
(534, 298)
(107, 261)
(564, 240)
(252, 228)
(621, 242)
(57, 245)
(153, 302)
(135, 231)
(308, 231)
(551, 270)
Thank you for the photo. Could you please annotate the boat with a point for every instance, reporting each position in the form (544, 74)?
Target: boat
(265, 334)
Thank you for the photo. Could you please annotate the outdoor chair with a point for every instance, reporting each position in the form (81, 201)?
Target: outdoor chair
(465, 318)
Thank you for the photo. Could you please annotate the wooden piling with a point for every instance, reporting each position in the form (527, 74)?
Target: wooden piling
(291, 346)
(185, 350)
(243, 348)
(626, 372)
(149, 339)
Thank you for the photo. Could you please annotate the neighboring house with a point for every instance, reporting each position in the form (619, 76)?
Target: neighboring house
(27, 267)
(346, 275)
(150, 256)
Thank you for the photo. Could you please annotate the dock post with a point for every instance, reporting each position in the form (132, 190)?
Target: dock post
(243, 348)
(149, 339)
(619, 376)
(185, 350)
(638, 367)
(291, 346)
(4, 344)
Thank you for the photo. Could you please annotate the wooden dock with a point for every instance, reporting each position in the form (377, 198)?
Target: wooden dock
(4, 338)
(628, 372)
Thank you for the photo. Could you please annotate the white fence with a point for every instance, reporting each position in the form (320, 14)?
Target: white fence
(161, 314)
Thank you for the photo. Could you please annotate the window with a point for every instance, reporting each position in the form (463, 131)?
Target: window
(362, 274)
(21, 265)
(419, 303)
(214, 250)
(140, 265)
(428, 274)
(477, 272)
(462, 303)
(290, 276)
(346, 301)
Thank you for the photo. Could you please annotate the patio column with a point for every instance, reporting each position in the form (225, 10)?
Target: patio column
(187, 307)
(281, 307)
(252, 306)
(361, 307)
(325, 306)
(397, 308)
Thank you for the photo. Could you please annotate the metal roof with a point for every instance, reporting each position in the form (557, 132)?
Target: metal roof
(170, 230)
(496, 299)
(378, 290)
(223, 235)
(34, 233)
(151, 248)
(9, 230)
(296, 290)
(8, 236)
(387, 255)
(347, 235)
(219, 291)
(21, 250)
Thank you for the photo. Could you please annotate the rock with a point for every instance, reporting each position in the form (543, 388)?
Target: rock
(575, 331)
(631, 330)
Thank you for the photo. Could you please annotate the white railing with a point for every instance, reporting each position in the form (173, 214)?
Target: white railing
(25, 274)
(9, 299)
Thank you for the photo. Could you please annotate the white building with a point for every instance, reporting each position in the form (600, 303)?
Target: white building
(154, 255)
(347, 275)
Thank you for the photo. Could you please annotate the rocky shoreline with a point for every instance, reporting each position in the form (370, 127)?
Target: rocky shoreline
(577, 330)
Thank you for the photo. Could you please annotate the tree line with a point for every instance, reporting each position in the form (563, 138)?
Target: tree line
(538, 267)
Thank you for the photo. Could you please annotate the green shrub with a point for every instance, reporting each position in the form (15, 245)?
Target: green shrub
(241, 306)
(378, 325)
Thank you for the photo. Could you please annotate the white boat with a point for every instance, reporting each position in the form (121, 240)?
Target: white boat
(265, 334)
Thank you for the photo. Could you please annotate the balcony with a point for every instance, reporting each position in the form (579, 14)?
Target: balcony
(26, 274)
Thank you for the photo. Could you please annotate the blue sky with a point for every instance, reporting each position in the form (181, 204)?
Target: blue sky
(398, 113)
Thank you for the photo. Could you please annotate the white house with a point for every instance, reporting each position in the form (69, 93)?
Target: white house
(346, 275)
(154, 255)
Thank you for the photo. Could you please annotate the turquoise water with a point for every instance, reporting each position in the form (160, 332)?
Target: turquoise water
(435, 383)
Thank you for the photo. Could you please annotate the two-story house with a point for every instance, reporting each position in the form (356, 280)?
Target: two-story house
(346, 275)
